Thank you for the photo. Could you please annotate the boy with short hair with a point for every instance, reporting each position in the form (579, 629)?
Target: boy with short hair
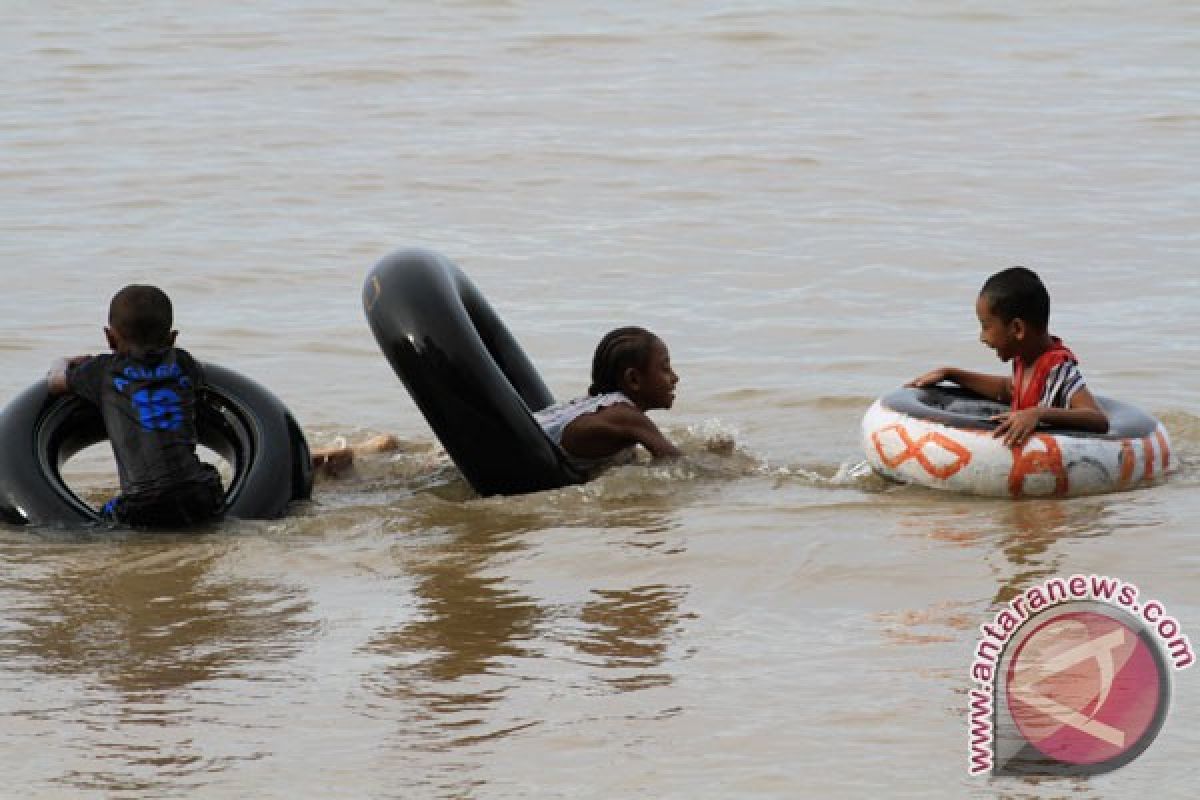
(146, 392)
(1046, 385)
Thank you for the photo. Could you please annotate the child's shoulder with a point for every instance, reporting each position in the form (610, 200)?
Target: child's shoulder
(166, 360)
(611, 405)
(588, 402)
(609, 400)
(85, 365)
(619, 409)
(184, 359)
(168, 364)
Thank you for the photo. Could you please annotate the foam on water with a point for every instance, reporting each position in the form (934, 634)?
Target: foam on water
(712, 455)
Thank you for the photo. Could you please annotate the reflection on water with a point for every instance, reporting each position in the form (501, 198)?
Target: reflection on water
(150, 616)
(478, 623)
(1026, 533)
(138, 627)
(1023, 542)
(449, 660)
(627, 633)
(1031, 531)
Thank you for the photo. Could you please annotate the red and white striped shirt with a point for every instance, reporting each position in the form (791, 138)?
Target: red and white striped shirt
(1054, 380)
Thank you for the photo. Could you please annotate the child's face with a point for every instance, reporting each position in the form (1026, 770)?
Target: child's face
(653, 386)
(1003, 337)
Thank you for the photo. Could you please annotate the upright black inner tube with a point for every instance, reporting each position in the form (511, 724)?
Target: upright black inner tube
(72, 425)
(960, 408)
(466, 373)
(235, 417)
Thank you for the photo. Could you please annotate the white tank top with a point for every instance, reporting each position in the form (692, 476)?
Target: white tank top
(555, 419)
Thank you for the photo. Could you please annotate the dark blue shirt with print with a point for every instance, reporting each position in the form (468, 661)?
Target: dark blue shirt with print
(149, 410)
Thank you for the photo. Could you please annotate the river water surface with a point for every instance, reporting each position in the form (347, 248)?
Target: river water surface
(801, 198)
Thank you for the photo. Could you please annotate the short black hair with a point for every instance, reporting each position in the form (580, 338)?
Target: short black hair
(618, 350)
(142, 315)
(1018, 293)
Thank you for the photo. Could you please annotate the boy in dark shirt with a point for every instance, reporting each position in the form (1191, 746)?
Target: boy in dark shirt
(146, 392)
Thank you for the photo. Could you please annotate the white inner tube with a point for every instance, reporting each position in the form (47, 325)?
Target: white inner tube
(942, 438)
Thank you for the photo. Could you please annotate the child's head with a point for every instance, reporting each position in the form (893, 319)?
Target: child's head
(139, 320)
(1013, 310)
(634, 361)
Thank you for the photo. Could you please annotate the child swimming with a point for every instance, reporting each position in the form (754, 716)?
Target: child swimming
(1046, 386)
(631, 374)
(146, 392)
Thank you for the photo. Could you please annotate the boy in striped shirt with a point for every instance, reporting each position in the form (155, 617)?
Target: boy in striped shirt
(1046, 386)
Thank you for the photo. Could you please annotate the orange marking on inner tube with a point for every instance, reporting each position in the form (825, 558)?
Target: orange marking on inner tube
(1164, 448)
(1148, 449)
(913, 449)
(1039, 462)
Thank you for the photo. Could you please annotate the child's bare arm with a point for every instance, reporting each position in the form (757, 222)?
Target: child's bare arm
(56, 378)
(994, 387)
(650, 437)
(613, 428)
(1084, 415)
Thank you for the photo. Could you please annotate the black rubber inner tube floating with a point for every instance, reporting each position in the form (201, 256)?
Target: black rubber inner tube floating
(466, 373)
(235, 417)
(960, 408)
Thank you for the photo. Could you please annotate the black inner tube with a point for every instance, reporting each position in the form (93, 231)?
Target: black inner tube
(236, 418)
(961, 408)
(466, 373)
(71, 426)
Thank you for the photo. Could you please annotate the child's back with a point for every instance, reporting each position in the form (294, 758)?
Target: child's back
(146, 393)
